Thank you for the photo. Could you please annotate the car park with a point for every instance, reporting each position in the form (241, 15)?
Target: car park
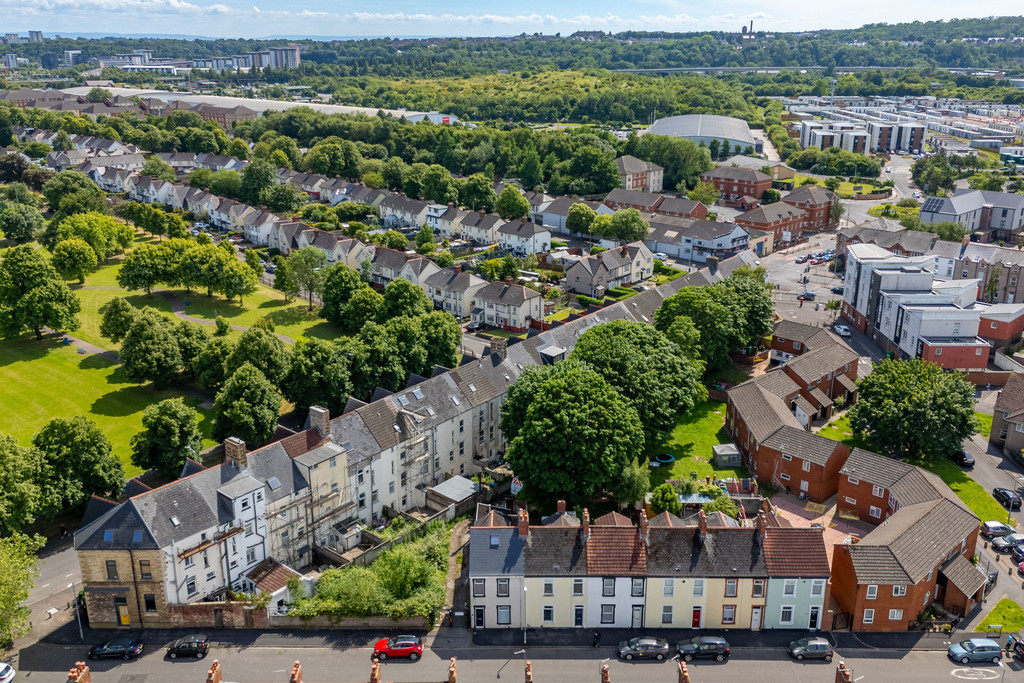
(703, 647)
(6, 672)
(1004, 543)
(190, 646)
(975, 650)
(962, 458)
(643, 647)
(992, 530)
(842, 330)
(806, 296)
(122, 647)
(399, 646)
(1007, 498)
(811, 648)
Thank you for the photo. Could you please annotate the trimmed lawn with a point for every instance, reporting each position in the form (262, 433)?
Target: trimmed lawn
(45, 379)
(984, 424)
(95, 300)
(845, 187)
(504, 334)
(969, 491)
(562, 314)
(1006, 613)
(691, 443)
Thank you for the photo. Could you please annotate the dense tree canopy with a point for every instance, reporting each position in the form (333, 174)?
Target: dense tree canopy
(247, 407)
(33, 295)
(169, 435)
(77, 462)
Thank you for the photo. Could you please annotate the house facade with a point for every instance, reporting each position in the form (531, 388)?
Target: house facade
(508, 306)
(785, 222)
(735, 183)
(453, 290)
(637, 174)
(523, 237)
(816, 202)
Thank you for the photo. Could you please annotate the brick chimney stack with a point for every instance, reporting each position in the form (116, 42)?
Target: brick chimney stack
(214, 674)
(296, 674)
(524, 522)
(586, 524)
(509, 279)
(320, 419)
(643, 524)
(702, 524)
(561, 506)
(761, 522)
(234, 452)
(457, 267)
(79, 673)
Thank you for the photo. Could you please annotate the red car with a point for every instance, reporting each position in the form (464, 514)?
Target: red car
(399, 646)
(1020, 568)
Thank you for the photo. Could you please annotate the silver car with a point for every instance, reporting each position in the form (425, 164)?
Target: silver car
(811, 648)
(1004, 544)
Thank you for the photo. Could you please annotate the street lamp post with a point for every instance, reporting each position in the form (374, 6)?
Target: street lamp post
(522, 614)
(78, 616)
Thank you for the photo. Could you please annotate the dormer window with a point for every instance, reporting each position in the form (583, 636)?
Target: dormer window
(494, 540)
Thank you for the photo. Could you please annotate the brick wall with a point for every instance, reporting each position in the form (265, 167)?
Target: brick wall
(104, 595)
(863, 496)
(216, 615)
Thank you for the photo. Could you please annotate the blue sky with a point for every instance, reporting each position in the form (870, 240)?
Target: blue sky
(257, 18)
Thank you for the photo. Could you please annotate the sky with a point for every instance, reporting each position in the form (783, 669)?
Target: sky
(397, 18)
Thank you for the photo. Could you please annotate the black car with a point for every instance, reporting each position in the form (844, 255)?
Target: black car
(644, 647)
(838, 289)
(962, 458)
(1017, 552)
(474, 327)
(1003, 544)
(1007, 498)
(123, 647)
(190, 646)
(703, 647)
(806, 296)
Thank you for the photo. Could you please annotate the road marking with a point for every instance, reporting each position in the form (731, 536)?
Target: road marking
(43, 586)
(68, 576)
(975, 674)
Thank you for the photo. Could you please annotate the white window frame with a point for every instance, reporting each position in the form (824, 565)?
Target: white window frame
(698, 588)
(875, 512)
(895, 615)
(549, 587)
(789, 588)
(872, 592)
(877, 491)
(482, 585)
(668, 588)
(577, 586)
(548, 609)
(899, 591)
(782, 614)
(869, 616)
(667, 615)
(818, 588)
(807, 465)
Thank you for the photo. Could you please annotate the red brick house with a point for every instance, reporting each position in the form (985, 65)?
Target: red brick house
(784, 221)
(801, 462)
(791, 339)
(619, 199)
(734, 183)
(1002, 324)
(681, 208)
(816, 201)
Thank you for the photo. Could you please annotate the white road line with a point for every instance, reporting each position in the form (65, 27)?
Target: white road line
(67, 576)
(43, 586)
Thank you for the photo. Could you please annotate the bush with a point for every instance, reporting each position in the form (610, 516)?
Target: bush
(223, 326)
(585, 300)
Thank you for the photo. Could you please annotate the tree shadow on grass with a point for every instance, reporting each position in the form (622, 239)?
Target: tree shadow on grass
(95, 361)
(279, 303)
(27, 348)
(120, 402)
(324, 330)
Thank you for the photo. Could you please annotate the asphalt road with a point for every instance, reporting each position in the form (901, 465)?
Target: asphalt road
(493, 664)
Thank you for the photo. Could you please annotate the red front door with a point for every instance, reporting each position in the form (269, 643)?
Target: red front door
(695, 622)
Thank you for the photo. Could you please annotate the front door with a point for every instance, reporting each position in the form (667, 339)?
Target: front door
(755, 618)
(813, 622)
(638, 616)
(578, 620)
(695, 622)
(478, 617)
(121, 607)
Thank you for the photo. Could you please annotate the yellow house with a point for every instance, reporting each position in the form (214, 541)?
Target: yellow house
(555, 569)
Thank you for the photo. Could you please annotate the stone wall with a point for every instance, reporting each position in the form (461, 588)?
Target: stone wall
(216, 615)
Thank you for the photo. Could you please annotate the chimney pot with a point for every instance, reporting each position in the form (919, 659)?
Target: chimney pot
(457, 267)
(508, 279)
(586, 523)
(320, 419)
(235, 452)
(643, 524)
(561, 506)
(703, 524)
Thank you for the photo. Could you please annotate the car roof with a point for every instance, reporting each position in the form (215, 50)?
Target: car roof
(198, 637)
(121, 639)
(987, 642)
(711, 639)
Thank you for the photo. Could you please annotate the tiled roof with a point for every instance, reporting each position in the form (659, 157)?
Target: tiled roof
(503, 293)
(632, 197)
(818, 363)
(613, 519)
(770, 213)
(796, 552)
(736, 173)
(1011, 397)
(802, 444)
(271, 576)
(810, 194)
(762, 411)
(964, 574)
(630, 164)
(555, 551)
(666, 519)
(794, 331)
(724, 552)
(616, 551)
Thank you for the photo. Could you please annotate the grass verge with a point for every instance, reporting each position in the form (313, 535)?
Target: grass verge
(1007, 614)
(690, 444)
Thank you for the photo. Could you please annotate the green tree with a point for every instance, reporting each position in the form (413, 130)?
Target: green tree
(149, 352)
(158, 168)
(511, 204)
(19, 480)
(629, 225)
(580, 219)
(257, 177)
(364, 306)
(21, 223)
(236, 279)
(17, 576)
(665, 499)
(711, 314)
(441, 336)
(211, 365)
(62, 143)
(992, 286)
(12, 166)
(909, 408)
(684, 334)
(169, 435)
(771, 196)
(252, 259)
(264, 351)
(317, 375)
(992, 182)
(74, 259)
(392, 239)
(77, 463)
(478, 193)
(284, 280)
(340, 284)
(833, 183)
(647, 370)
(425, 236)
(375, 360)
(192, 338)
(751, 302)
(530, 168)
(444, 258)
(98, 95)
(118, 316)
(705, 193)
(284, 198)
(66, 183)
(247, 407)
(633, 483)
(106, 235)
(229, 184)
(142, 268)
(570, 433)
(403, 298)
(33, 295)
(307, 266)
(174, 226)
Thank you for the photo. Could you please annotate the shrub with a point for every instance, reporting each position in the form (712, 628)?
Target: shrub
(223, 326)
(585, 300)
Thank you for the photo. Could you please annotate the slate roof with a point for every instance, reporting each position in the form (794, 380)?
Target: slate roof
(676, 205)
(628, 163)
(770, 213)
(503, 558)
(562, 519)
(389, 258)
(819, 362)
(964, 574)
(913, 241)
(448, 280)
(456, 489)
(724, 552)
(632, 197)
(762, 411)
(1011, 397)
(810, 194)
(504, 293)
(666, 519)
(271, 576)
(484, 221)
(554, 551)
(401, 204)
(522, 228)
(793, 331)
(802, 444)
(748, 175)
(796, 552)
(616, 551)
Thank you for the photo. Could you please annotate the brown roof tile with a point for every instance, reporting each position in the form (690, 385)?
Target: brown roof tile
(270, 575)
(616, 551)
(795, 552)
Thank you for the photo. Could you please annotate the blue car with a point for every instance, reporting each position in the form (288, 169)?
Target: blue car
(975, 650)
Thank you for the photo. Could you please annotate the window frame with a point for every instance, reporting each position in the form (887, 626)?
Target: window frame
(507, 609)
(608, 587)
(698, 588)
(605, 608)
(668, 588)
(112, 574)
(145, 570)
(577, 587)
(899, 591)
(895, 614)
(757, 588)
(868, 617)
(871, 593)
(667, 615)
(634, 592)
(482, 584)
(782, 614)
(502, 588)
(549, 588)
(789, 588)
(732, 587)
(727, 610)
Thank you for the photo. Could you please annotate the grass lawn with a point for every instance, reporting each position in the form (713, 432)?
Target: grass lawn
(691, 443)
(562, 314)
(984, 424)
(503, 333)
(1006, 613)
(969, 491)
(845, 187)
(45, 379)
(93, 302)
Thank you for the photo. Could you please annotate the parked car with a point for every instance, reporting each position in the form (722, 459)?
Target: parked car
(992, 530)
(6, 673)
(1020, 568)
(962, 458)
(838, 289)
(975, 650)
(811, 648)
(815, 261)
(817, 254)
(644, 647)
(190, 646)
(1004, 543)
(123, 647)
(801, 259)
(806, 296)
(270, 268)
(474, 326)
(399, 646)
(1017, 553)
(661, 256)
(1007, 498)
(703, 647)
(842, 330)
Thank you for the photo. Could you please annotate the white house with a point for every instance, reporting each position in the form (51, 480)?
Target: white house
(523, 237)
